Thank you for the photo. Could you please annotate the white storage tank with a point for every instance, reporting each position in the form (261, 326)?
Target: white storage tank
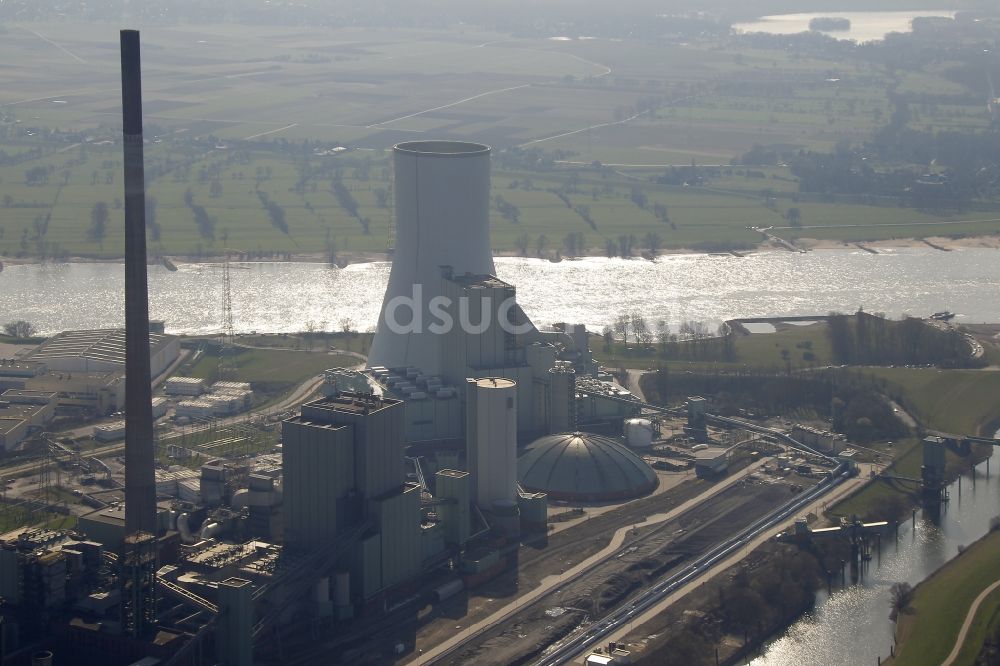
(639, 433)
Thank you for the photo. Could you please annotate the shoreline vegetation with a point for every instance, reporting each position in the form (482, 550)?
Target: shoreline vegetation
(940, 243)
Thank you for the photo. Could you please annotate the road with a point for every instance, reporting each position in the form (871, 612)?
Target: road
(960, 641)
(552, 582)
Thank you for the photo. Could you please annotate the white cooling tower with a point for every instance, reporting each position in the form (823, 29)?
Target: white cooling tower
(442, 219)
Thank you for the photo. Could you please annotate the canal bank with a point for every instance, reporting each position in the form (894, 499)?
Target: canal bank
(851, 625)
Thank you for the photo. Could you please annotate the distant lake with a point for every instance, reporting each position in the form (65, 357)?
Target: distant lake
(865, 26)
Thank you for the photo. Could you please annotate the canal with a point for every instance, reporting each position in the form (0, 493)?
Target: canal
(851, 626)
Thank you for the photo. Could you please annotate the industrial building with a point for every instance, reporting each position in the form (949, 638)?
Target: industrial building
(102, 351)
(581, 467)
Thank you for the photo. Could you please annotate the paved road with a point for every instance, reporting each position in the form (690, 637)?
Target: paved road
(960, 641)
(555, 580)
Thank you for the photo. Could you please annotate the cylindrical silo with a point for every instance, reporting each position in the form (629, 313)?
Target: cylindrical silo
(442, 191)
(492, 438)
(562, 398)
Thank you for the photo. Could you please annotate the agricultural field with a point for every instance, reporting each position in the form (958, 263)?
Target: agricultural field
(276, 141)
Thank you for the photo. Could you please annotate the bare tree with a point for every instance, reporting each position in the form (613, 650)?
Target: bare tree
(19, 329)
(900, 596)
(621, 327)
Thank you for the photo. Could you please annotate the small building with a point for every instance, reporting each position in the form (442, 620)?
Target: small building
(13, 430)
(109, 432)
(821, 440)
(710, 463)
(185, 386)
(15, 373)
(196, 409)
(100, 392)
(160, 405)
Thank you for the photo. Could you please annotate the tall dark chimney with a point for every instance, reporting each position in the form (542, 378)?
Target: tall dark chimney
(140, 483)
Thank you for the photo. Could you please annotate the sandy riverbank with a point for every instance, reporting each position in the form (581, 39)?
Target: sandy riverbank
(941, 243)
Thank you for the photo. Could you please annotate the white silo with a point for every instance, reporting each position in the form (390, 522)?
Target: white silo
(491, 439)
(562, 398)
(639, 433)
(442, 191)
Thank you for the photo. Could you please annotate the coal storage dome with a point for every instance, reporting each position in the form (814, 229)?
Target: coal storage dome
(584, 467)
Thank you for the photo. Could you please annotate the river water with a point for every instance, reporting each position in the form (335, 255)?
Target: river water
(865, 26)
(285, 297)
(851, 626)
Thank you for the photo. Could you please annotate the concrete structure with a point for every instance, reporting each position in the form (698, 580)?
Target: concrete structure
(710, 463)
(14, 372)
(584, 467)
(101, 351)
(562, 398)
(821, 440)
(337, 452)
(442, 191)
(234, 638)
(196, 409)
(452, 489)
(99, 392)
(160, 405)
(142, 348)
(37, 407)
(109, 432)
(491, 440)
(188, 386)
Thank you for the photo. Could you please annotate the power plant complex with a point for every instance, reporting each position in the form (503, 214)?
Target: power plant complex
(403, 477)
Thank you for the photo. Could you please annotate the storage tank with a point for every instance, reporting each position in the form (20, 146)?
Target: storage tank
(442, 191)
(491, 438)
(562, 398)
(639, 433)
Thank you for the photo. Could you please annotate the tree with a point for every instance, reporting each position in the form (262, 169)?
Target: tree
(541, 243)
(98, 223)
(653, 241)
(19, 329)
(152, 225)
(794, 217)
(521, 243)
(900, 596)
(621, 327)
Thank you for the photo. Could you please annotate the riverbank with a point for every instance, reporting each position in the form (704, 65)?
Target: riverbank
(343, 259)
(928, 629)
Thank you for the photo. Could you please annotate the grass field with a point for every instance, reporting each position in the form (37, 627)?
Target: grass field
(228, 107)
(941, 603)
(959, 401)
(271, 371)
